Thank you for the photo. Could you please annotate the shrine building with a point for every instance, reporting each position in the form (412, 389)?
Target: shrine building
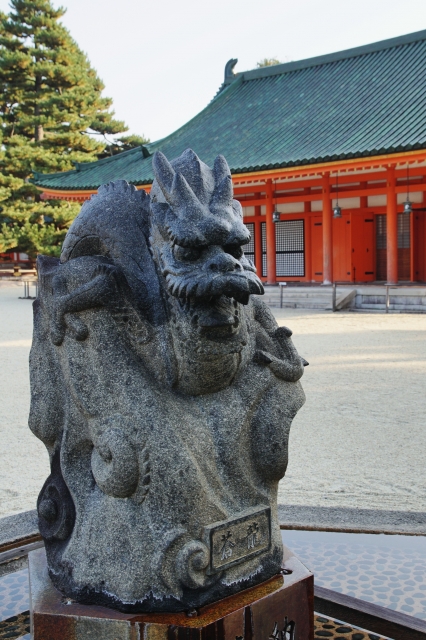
(328, 159)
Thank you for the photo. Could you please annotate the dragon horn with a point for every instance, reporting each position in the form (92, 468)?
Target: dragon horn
(220, 169)
(181, 194)
(164, 173)
(223, 194)
(192, 159)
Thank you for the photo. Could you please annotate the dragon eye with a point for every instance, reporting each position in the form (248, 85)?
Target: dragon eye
(187, 254)
(234, 250)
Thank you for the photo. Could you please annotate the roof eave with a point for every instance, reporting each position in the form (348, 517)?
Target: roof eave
(331, 163)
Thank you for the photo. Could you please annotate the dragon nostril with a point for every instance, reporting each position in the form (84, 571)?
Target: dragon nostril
(224, 262)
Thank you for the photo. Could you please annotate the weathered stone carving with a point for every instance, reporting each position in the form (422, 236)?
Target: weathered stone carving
(164, 393)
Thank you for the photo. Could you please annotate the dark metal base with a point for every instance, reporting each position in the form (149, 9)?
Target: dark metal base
(380, 620)
(278, 609)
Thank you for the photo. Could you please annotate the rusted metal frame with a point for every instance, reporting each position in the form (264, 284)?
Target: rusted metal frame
(18, 552)
(366, 615)
(16, 544)
(16, 559)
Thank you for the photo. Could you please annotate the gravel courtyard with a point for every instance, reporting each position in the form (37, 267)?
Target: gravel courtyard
(360, 439)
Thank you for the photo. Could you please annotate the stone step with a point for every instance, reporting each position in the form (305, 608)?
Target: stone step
(400, 300)
(402, 308)
(294, 296)
(299, 304)
(404, 301)
(382, 310)
(299, 296)
(303, 296)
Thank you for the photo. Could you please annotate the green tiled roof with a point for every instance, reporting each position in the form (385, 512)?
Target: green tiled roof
(365, 101)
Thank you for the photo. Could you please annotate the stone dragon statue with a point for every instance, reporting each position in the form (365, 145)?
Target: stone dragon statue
(164, 392)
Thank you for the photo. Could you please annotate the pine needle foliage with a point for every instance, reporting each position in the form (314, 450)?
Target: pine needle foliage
(50, 99)
(268, 62)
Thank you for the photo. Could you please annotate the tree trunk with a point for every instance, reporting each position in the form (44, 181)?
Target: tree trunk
(38, 130)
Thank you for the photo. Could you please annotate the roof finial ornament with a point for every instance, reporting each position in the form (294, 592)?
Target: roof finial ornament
(229, 70)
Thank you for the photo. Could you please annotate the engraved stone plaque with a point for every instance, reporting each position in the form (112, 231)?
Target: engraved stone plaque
(233, 541)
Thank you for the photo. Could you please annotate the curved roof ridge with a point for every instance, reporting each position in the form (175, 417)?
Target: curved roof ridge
(287, 67)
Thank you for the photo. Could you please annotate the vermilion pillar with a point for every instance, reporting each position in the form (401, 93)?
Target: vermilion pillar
(258, 258)
(271, 258)
(412, 239)
(327, 231)
(307, 208)
(391, 227)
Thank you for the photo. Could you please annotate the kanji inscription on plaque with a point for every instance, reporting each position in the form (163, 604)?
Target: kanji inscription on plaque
(232, 541)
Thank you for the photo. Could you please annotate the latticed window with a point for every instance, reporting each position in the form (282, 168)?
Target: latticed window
(404, 241)
(264, 261)
(290, 248)
(403, 231)
(249, 248)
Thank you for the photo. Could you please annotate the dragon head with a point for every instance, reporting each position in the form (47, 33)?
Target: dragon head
(201, 233)
(197, 239)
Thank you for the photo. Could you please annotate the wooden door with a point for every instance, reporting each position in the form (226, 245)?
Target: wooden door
(342, 249)
(404, 246)
(363, 251)
(419, 240)
(316, 249)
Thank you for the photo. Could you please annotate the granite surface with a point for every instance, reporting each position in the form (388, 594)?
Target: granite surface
(164, 393)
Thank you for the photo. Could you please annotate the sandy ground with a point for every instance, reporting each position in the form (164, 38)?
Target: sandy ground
(24, 464)
(360, 439)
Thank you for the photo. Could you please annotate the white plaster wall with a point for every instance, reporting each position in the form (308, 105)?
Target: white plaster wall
(248, 211)
(291, 207)
(416, 196)
(348, 203)
(376, 201)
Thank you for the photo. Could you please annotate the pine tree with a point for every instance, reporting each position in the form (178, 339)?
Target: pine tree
(50, 105)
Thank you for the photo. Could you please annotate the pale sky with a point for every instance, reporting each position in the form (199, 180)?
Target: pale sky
(163, 61)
